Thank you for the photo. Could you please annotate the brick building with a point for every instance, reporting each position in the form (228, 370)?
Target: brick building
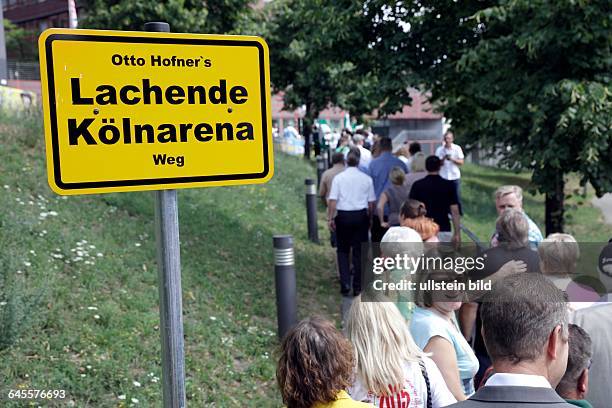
(37, 15)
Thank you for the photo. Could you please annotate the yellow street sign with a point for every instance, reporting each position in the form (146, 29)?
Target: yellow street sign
(128, 111)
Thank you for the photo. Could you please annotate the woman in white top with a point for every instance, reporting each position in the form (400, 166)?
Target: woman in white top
(391, 370)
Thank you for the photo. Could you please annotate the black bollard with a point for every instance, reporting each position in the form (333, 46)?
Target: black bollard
(286, 290)
(321, 166)
(329, 157)
(324, 154)
(311, 210)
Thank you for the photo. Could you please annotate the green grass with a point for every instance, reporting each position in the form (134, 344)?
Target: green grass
(90, 318)
(79, 279)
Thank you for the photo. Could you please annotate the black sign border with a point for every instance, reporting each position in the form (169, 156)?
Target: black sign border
(155, 40)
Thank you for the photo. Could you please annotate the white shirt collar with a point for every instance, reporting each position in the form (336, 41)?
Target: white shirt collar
(517, 380)
(353, 169)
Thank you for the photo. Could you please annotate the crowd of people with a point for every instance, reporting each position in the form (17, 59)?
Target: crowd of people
(538, 338)
(367, 192)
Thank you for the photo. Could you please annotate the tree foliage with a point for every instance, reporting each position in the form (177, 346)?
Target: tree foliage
(334, 52)
(527, 78)
(20, 44)
(329, 53)
(192, 16)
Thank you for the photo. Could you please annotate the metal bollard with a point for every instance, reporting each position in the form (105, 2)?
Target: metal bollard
(325, 154)
(311, 211)
(321, 166)
(286, 289)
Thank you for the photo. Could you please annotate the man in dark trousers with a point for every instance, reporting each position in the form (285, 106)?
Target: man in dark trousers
(525, 328)
(352, 198)
(440, 199)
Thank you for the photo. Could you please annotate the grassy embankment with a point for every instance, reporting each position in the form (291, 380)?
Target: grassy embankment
(79, 279)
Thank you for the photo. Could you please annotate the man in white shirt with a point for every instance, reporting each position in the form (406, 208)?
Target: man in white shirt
(352, 198)
(365, 154)
(452, 157)
(525, 328)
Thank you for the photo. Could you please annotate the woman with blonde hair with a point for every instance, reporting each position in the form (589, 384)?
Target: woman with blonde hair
(391, 371)
(413, 215)
(417, 170)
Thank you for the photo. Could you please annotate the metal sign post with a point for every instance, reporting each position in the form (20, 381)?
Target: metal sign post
(3, 65)
(194, 113)
(170, 293)
(170, 300)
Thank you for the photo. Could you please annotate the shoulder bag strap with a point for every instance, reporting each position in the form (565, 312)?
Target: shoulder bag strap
(426, 377)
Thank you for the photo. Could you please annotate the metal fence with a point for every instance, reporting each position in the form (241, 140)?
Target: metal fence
(23, 70)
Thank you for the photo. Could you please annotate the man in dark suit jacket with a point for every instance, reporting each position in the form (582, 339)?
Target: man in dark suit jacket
(525, 329)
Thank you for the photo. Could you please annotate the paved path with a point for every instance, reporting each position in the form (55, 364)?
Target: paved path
(605, 205)
(347, 301)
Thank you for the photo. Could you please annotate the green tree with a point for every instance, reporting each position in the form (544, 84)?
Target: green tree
(529, 79)
(329, 52)
(190, 16)
(20, 44)
(304, 64)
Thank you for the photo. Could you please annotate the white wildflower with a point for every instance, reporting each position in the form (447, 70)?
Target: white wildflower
(136, 383)
(121, 397)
